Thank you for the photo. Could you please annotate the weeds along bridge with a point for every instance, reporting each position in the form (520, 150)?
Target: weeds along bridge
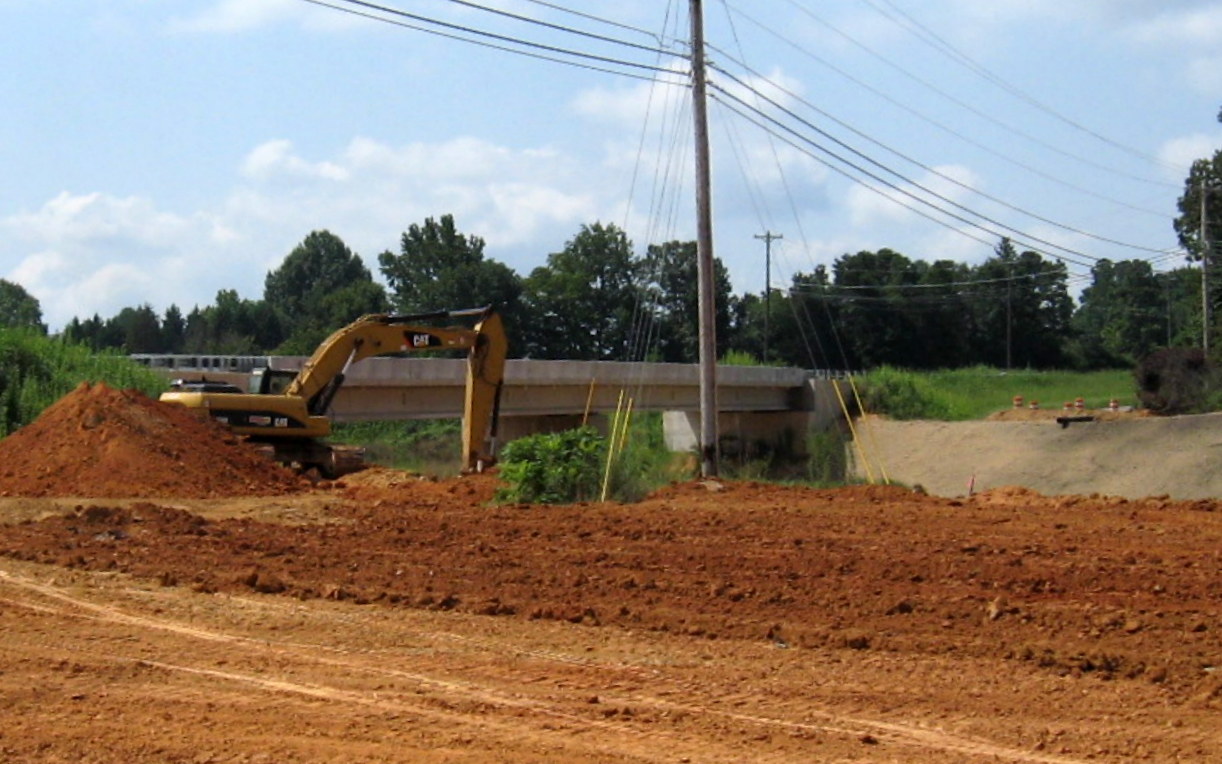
(759, 407)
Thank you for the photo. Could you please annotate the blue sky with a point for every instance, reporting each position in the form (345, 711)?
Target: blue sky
(157, 152)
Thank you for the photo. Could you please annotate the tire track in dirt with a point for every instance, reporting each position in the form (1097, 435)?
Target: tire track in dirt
(446, 690)
(554, 726)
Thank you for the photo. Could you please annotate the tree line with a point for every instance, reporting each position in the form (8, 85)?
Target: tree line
(596, 299)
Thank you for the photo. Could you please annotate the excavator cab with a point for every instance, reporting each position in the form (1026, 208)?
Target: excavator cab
(271, 381)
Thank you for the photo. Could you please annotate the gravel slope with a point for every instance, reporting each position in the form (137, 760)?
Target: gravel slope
(1134, 458)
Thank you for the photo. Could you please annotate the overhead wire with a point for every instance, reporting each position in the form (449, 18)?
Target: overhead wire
(940, 43)
(661, 40)
(915, 162)
(793, 209)
(1026, 167)
(907, 73)
(502, 42)
(1068, 253)
(542, 23)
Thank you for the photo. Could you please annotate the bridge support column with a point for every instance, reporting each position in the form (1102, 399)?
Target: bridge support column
(745, 434)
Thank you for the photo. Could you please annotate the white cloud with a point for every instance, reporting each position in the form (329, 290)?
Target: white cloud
(869, 207)
(1182, 152)
(81, 254)
(276, 158)
(1205, 75)
(238, 15)
(1199, 26)
(97, 217)
(629, 106)
(94, 253)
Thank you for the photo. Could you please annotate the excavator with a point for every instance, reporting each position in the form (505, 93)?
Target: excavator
(287, 412)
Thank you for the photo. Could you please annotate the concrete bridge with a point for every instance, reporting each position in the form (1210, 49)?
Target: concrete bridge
(759, 406)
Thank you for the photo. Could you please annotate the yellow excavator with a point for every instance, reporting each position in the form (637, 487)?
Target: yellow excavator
(287, 412)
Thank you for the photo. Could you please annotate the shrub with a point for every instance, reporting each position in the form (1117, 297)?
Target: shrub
(1176, 381)
(569, 466)
(553, 468)
(900, 395)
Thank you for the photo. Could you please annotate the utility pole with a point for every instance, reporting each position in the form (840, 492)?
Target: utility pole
(768, 237)
(1009, 311)
(704, 253)
(1204, 271)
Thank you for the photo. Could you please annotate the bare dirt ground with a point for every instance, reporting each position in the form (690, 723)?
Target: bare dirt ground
(393, 619)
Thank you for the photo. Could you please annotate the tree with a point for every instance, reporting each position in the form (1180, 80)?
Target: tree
(173, 330)
(874, 314)
(321, 286)
(18, 308)
(804, 331)
(1123, 314)
(232, 326)
(139, 328)
(582, 305)
(673, 290)
(1199, 224)
(1022, 309)
(439, 268)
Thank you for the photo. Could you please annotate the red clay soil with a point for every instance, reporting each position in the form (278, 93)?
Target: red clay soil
(1079, 586)
(101, 442)
(417, 621)
(1010, 617)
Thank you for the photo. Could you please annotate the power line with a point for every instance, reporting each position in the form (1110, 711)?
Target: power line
(889, 184)
(541, 23)
(1024, 166)
(940, 43)
(909, 74)
(609, 22)
(503, 41)
(917, 163)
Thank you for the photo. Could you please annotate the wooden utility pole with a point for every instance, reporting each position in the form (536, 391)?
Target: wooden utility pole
(704, 253)
(1204, 271)
(768, 237)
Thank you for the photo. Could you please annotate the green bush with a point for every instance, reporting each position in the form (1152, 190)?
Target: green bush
(1178, 381)
(899, 394)
(554, 467)
(641, 461)
(571, 466)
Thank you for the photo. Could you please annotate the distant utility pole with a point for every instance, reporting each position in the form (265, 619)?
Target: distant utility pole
(704, 253)
(768, 237)
(1204, 271)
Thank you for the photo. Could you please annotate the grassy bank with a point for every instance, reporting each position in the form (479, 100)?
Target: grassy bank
(975, 393)
(36, 371)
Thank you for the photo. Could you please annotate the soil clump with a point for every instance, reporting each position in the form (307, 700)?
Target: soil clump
(106, 443)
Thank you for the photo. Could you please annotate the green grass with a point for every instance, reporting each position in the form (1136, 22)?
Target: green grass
(975, 393)
(424, 446)
(36, 371)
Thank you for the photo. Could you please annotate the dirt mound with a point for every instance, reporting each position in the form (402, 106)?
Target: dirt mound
(106, 443)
